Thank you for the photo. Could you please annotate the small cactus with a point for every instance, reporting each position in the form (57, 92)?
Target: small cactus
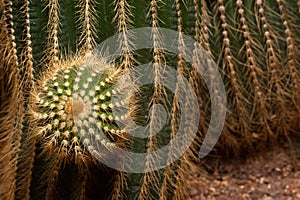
(73, 105)
(70, 100)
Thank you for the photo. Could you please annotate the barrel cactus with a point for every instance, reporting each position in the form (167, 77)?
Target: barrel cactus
(53, 99)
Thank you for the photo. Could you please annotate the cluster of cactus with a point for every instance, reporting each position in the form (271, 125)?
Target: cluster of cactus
(49, 111)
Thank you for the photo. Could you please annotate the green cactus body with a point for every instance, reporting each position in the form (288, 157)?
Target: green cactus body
(55, 111)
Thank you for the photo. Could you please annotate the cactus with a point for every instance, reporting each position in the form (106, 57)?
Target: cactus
(44, 45)
(68, 106)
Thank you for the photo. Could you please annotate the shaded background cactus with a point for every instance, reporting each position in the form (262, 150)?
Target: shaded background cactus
(254, 43)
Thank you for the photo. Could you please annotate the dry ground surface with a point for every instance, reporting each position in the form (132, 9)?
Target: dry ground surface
(274, 175)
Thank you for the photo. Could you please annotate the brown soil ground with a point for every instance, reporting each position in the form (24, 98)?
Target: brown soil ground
(275, 175)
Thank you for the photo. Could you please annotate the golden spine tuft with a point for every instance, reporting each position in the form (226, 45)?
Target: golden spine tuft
(276, 88)
(83, 177)
(173, 185)
(88, 20)
(120, 185)
(194, 78)
(123, 17)
(252, 65)
(52, 48)
(202, 22)
(238, 125)
(197, 36)
(52, 169)
(26, 160)
(82, 188)
(124, 23)
(292, 50)
(185, 162)
(150, 184)
(169, 181)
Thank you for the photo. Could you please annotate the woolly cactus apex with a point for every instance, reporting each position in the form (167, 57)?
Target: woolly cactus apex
(74, 107)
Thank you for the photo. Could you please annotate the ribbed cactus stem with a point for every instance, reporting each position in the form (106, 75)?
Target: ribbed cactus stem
(124, 23)
(26, 157)
(292, 50)
(12, 106)
(87, 25)
(204, 23)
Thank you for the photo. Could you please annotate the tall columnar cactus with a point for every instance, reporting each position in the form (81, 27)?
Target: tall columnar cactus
(45, 129)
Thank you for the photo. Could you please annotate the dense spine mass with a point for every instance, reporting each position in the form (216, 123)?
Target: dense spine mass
(72, 106)
(54, 99)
